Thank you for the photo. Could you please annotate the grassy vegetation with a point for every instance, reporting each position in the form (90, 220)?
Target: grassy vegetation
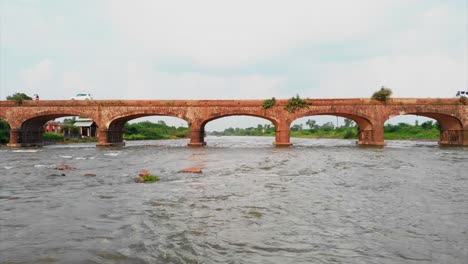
(269, 103)
(149, 130)
(427, 130)
(49, 136)
(149, 178)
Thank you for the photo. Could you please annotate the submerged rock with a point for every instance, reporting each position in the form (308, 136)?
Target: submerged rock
(143, 173)
(65, 167)
(90, 175)
(192, 170)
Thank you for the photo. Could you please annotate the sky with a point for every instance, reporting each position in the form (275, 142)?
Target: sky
(243, 49)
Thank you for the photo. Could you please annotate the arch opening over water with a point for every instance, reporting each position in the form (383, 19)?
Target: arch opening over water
(146, 127)
(325, 126)
(238, 125)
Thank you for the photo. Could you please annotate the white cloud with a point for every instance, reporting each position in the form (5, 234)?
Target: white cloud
(408, 76)
(142, 82)
(38, 75)
(230, 33)
(74, 82)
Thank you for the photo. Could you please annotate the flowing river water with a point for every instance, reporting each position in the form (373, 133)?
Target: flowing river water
(320, 201)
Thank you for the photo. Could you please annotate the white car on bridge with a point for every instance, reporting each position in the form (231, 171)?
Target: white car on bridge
(82, 96)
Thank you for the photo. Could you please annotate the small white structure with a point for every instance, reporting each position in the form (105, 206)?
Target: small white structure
(462, 93)
(87, 127)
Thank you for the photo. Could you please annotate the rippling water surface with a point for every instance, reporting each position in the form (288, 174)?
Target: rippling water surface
(320, 201)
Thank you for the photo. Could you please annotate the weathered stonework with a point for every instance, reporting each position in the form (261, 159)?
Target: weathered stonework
(26, 120)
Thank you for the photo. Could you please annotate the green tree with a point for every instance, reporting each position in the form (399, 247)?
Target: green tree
(348, 123)
(18, 98)
(383, 94)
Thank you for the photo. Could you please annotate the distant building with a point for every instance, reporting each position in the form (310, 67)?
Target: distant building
(88, 127)
(53, 127)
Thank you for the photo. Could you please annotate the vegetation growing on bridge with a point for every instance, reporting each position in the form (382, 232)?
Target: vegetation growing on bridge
(18, 98)
(463, 100)
(383, 94)
(295, 103)
(269, 103)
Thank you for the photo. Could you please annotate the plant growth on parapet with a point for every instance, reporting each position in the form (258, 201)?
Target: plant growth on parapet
(295, 103)
(463, 100)
(18, 98)
(383, 94)
(269, 103)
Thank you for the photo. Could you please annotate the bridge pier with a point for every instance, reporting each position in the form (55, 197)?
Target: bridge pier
(197, 138)
(371, 137)
(282, 138)
(450, 137)
(26, 138)
(15, 136)
(110, 138)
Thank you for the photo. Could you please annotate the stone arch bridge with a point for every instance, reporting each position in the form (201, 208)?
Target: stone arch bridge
(26, 120)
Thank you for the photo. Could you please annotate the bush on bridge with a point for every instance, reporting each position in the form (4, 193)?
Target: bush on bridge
(295, 103)
(269, 103)
(18, 98)
(383, 94)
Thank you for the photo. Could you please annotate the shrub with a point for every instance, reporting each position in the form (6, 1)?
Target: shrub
(18, 98)
(349, 134)
(269, 103)
(463, 100)
(53, 136)
(295, 103)
(383, 94)
(149, 178)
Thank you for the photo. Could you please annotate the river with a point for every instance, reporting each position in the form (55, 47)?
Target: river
(320, 201)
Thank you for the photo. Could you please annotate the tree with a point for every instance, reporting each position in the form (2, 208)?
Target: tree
(311, 123)
(427, 125)
(383, 94)
(348, 122)
(297, 127)
(18, 98)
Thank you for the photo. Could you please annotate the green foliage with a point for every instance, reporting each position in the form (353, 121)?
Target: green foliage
(463, 100)
(427, 130)
(149, 130)
(295, 103)
(260, 130)
(269, 103)
(149, 178)
(383, 94)
(4, 132)
(18, 98)
(49, 136)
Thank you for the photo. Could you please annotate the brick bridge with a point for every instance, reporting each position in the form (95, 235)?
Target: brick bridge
(26, 120)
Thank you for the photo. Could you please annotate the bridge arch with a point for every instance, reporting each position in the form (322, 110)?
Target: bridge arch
(197, 135)
(369, 133)
(451, 127)
(29, 131)
(112, 133)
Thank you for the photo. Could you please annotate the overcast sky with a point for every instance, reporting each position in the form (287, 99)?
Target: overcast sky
(233, 49)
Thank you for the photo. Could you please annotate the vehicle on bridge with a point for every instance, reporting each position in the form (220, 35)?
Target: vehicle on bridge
(462, 93)
(82, 96)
